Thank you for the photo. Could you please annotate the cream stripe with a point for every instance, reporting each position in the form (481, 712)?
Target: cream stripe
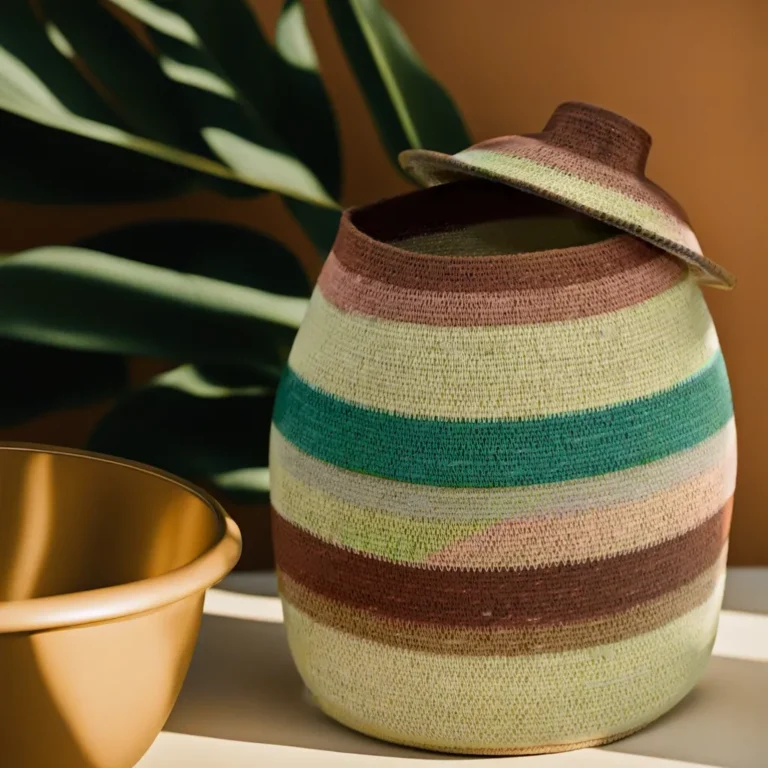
(523, 542)
(351, 720)
(588, 193)
(493, 702)
(396, 538)
(506, 372)
(492, 504)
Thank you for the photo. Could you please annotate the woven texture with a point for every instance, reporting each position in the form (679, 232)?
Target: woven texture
(589, 159)
(501, 480)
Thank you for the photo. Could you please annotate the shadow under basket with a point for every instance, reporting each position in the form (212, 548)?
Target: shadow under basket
(103, 570)
(502, 466)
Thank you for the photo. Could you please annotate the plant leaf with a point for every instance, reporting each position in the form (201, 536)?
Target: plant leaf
(305, 120)
(281, 83)
(410, 108)
(24, 94)
(88, 300)
(186, 424)
(235, 130)
(45, 166)
(23, 37)
(39, 378)
(208, 248)
(288, 95)
(319, 224)
(39, 83)
(145, 97)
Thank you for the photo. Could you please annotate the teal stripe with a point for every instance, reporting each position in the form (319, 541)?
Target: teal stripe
(504, 453)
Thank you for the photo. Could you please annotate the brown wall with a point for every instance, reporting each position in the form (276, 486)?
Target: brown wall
(690, 71)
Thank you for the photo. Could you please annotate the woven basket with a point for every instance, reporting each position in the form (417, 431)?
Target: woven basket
(502, 466)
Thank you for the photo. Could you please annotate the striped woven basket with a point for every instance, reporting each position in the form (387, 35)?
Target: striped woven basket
(502, 465)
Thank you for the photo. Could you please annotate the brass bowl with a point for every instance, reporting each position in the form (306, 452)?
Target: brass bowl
(103, 570)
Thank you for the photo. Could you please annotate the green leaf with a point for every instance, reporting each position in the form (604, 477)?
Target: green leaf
(144, 96)
(288, 96)
(39, 83)
(320, 224)
(208, 248)
(410, 107)
(24, 37)
(305, 120)
(186, 424)
(126, 157)
(82, 299)
(237, 133)
(43, 166)
(40, 378)
(24, 94)
(280, 83)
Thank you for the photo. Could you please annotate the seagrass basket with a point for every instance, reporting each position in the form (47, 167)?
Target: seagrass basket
(502, 466)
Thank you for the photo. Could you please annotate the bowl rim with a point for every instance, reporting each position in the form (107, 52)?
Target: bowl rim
(131, 598)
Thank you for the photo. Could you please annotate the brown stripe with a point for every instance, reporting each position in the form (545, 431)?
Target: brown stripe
(502, 598)
(352, 292)
(492, 641)
(362, 248)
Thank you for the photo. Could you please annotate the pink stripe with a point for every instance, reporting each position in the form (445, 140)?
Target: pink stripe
(353, 292)
(529, 542)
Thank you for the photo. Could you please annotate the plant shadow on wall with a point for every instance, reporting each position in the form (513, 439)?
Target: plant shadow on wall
(136, 100)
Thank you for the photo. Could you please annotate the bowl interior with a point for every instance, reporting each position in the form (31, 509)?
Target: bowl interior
(70, 523)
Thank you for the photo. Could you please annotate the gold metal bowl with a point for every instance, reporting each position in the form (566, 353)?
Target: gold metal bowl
(103, 570)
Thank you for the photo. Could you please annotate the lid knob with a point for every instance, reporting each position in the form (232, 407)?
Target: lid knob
(600, 135)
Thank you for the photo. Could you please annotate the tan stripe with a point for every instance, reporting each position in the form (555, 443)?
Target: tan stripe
(471, 641)
(352, 292)
(593, 534)
(489, 505)
(505, 372)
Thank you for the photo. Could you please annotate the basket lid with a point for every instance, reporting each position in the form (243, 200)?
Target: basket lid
(586, 158)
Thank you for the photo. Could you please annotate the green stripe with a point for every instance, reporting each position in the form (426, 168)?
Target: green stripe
(504, 453)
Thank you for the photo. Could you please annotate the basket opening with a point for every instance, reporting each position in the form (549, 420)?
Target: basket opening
(477, 218)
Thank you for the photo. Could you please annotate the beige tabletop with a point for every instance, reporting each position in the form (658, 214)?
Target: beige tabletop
(243, 703)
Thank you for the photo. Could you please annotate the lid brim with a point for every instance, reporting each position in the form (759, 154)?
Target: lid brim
(672, 234)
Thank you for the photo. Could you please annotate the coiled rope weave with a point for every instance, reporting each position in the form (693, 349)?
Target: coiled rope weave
(502, 484)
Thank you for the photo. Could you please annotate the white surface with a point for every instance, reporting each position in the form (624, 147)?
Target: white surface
(243, 703)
